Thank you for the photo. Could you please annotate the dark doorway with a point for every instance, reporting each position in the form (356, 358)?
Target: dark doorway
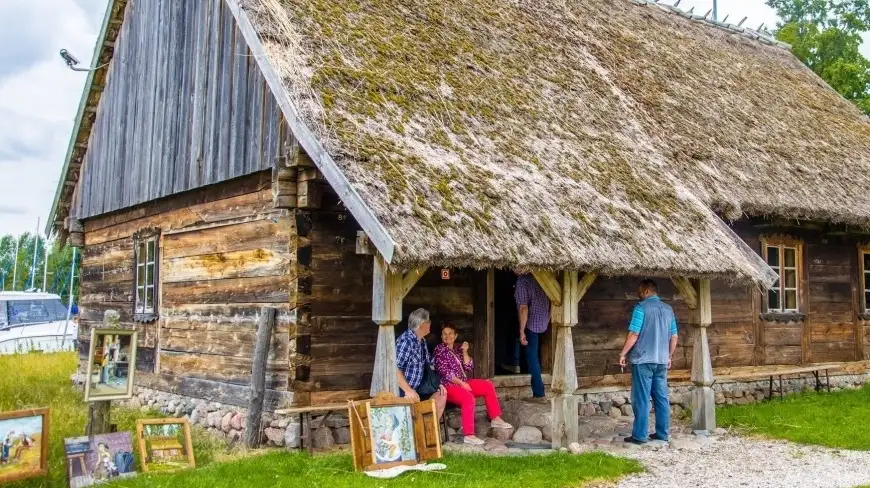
(509, 356)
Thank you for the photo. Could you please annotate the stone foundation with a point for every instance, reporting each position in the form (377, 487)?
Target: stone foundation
(531, 421)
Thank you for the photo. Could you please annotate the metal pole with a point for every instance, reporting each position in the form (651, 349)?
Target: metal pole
(715, 10)
(15, 261)
(45, 270)
(31, 282)
(72, 268)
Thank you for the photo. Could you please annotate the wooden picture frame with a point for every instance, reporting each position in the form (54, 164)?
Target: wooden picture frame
(94, 393)
(25, 420)
(412, 436)
(146, 457)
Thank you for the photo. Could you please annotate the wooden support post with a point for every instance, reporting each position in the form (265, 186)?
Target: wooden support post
(258, 375)
(76, 232)
(386, 312)
(703, 398)
(564, 316)
(283, 186)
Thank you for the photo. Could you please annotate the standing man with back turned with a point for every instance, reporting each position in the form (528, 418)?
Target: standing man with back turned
(534, 310)
(651, 341)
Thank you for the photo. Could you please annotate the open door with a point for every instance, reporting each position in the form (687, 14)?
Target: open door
(427, 436)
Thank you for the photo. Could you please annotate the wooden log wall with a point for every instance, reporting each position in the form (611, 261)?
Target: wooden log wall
(224, 253)
(340, 330)
(185, 106)
(829, 331)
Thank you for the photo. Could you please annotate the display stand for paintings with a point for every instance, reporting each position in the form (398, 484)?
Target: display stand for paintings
(99, 412)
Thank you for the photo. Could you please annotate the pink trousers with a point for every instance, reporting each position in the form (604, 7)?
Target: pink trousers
(458, 395)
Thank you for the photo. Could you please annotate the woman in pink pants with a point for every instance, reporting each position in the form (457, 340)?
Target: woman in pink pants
(454, 365)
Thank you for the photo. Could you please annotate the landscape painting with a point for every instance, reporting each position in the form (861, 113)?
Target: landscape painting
(392, 430)
(111, 365)
(23, 444)
(97, 459)
(165, 445)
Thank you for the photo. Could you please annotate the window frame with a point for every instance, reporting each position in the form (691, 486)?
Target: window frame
(782, 243)
(864, 310)
(147, 311)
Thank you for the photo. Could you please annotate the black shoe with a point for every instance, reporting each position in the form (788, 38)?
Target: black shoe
(657, 437)
(633, 440)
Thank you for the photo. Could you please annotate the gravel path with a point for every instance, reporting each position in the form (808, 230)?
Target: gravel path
(731, 461)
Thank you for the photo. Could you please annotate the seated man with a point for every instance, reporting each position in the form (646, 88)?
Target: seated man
(412, 357)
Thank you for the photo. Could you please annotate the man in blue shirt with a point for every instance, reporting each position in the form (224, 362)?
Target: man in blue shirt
(412, 356)
(651, 341)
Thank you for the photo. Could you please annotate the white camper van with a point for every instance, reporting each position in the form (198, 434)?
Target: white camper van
(34, 322)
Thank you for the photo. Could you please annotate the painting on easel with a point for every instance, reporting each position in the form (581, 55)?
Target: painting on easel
(111, 365)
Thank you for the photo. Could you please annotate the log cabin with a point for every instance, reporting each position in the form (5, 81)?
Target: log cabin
(347, 162)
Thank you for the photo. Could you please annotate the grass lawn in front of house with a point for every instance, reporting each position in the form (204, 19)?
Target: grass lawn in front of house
(837, 420)
(336, 471)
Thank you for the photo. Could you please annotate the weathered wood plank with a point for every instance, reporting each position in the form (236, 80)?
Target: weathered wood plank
(214, 367)
(258, 234)
(220, 266)
(238, 290)
(258, 375)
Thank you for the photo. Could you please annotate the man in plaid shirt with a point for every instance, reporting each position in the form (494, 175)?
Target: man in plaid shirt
(534, 310)
(412, 356)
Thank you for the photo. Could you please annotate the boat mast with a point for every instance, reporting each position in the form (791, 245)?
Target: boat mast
(45, 270)
(31, 281)
(72, 268)
(15, 261)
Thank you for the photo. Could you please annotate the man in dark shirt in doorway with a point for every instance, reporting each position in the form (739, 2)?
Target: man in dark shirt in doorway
(651, 341)
(534, 310)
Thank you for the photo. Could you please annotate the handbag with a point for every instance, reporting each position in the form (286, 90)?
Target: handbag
(430, 383)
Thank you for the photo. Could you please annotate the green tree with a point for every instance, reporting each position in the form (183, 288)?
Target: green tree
(826, 36)
(55, 280)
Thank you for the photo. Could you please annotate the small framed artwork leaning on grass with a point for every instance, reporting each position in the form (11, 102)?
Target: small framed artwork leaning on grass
(164, 444)
(103, 457)
(111, 365)
(23, 444)
(389, 431)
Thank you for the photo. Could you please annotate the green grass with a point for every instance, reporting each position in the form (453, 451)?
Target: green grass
(336, 471)
(835, 420)
(42, 380)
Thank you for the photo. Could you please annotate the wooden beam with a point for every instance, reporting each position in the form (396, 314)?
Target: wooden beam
(566, 313)
(386, 312)
(410, 279)
(705, 308)
(703, 399)
(309, 142)
(258, 375)
(583, 286)
(550, 284)
(687, 291)
(484, 323)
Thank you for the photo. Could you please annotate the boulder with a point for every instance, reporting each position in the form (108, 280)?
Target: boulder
(342, 435)
(282, 423)
(577, 448)
(606, 407)
(626, 410)
(292, 436)
(481, 429)
(547, 432)
(503, 435)
(493, 444)
(236, 421)
(213, 419)
(520, 413)
(584, 430)
(719, 431)
(337, 421)
(323, 438)
(587, 410)
(274, 436)
(615, 413)
(135, 402)
(618, 400)
(528, 435)
(226, 422)
(234, 436)
(194, 416)
(454, 418)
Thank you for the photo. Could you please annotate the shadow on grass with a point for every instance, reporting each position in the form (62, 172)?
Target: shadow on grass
(837, 420)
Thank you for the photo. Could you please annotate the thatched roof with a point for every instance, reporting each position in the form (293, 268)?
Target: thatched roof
(490, 132)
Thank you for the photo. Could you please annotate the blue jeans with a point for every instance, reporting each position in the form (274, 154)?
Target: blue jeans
(534, 339)
(650, 380)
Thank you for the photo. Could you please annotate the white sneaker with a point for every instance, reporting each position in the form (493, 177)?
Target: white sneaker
(474, 440)
(500, 424)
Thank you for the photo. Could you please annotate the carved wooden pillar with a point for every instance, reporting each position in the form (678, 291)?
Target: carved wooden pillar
(564, 315)
(703, 397)
(386, 312)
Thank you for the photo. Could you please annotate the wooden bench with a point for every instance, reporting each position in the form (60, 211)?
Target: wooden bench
(305, 421)
(778, 372)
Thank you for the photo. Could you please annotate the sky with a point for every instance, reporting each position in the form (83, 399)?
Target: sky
(39, 95)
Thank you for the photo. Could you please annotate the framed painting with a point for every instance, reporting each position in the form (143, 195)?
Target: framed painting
(104, 457)
(389, 431)
(164, 445)
(23, 444)
(111, 365)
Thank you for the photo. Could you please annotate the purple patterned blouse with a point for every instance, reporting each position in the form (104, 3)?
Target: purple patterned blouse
(447, 363)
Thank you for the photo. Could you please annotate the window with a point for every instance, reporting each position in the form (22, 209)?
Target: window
(24, 312)
(784, 258)
(864, 261)
(145, 295)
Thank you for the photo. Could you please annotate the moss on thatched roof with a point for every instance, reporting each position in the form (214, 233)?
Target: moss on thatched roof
(490, 132)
